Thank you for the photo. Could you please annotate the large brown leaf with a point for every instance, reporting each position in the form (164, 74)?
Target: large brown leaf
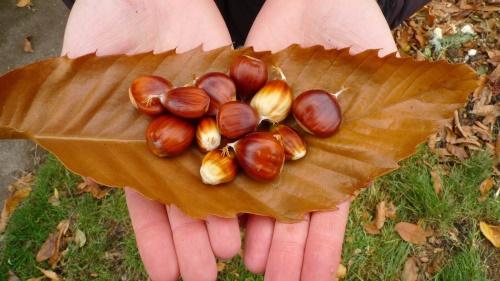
(79, 110)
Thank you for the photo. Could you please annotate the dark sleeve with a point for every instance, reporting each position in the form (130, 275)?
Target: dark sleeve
(395, 11)
(239, 16)
(69, 3)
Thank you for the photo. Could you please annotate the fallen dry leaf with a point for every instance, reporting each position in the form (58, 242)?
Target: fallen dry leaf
(27, 46)
(403, 40)
(106, 141)
(51, 248)
(370, 228)
(437, 263)
(48, 248)
(24, 3)
(495, 75)
(494, 56)
(410, 270)
(11, 276)
(379, 220)
(491, 232)
(40, 278)
(391, 211)
(484, 189)
(221, 266)
(80, 238)
(50, 274)
(113, 254)
(437, 182)
(341, 272)
(412, 233)
(22, 182)
(381, 214)
(10, 205)
(62, 228)
(457, 151)
(93, 188)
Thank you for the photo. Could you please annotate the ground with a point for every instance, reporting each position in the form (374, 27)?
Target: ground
(45, 24)
(461, 158)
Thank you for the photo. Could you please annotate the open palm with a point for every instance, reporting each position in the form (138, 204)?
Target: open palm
(171, 243)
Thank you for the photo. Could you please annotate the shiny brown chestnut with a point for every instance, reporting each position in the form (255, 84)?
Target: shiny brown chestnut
(260, 155)
(187, 102)
(317, 112)
(145, 93)
(294, 145)
(219, 87)
(249, 74)
(236, 119)
(168, 135)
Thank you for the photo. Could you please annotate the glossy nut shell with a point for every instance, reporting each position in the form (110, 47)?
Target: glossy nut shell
(145, 93)
(249, 74)
(186, 102)
(317, 112)
(236, 119)
(168, 135)
(219, 87)
(260, 155)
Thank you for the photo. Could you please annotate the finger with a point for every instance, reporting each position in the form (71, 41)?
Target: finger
(194, 253)
(224, 235)
(153, 236)
(258, 237)
(324, 244)
(287, 251)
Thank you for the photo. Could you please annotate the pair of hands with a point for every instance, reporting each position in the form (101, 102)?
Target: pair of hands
(170, 243)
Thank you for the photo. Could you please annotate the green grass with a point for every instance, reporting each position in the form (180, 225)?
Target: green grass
(411, 189)
(105, 223)
(367, 257)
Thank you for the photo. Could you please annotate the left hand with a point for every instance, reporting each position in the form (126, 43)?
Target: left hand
(169, 242)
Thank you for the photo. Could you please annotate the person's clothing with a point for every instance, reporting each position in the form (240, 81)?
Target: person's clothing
(396, 11)
(240, 14)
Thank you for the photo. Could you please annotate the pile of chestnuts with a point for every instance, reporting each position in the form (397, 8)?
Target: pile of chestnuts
(231, 131)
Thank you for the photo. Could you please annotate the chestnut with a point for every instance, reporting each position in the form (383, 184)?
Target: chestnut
(145, 93)
(273, 101)
(219, 87)
(260, 155)
(294, 145)
(317, 112)
(207, 134)
(187, 102)
(236, 119)
(168, 135)
(218, 166)
(249, 74)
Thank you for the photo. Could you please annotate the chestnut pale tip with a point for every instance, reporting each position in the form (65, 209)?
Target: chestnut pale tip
(210, 174)
(298, 155)
(218, 166)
